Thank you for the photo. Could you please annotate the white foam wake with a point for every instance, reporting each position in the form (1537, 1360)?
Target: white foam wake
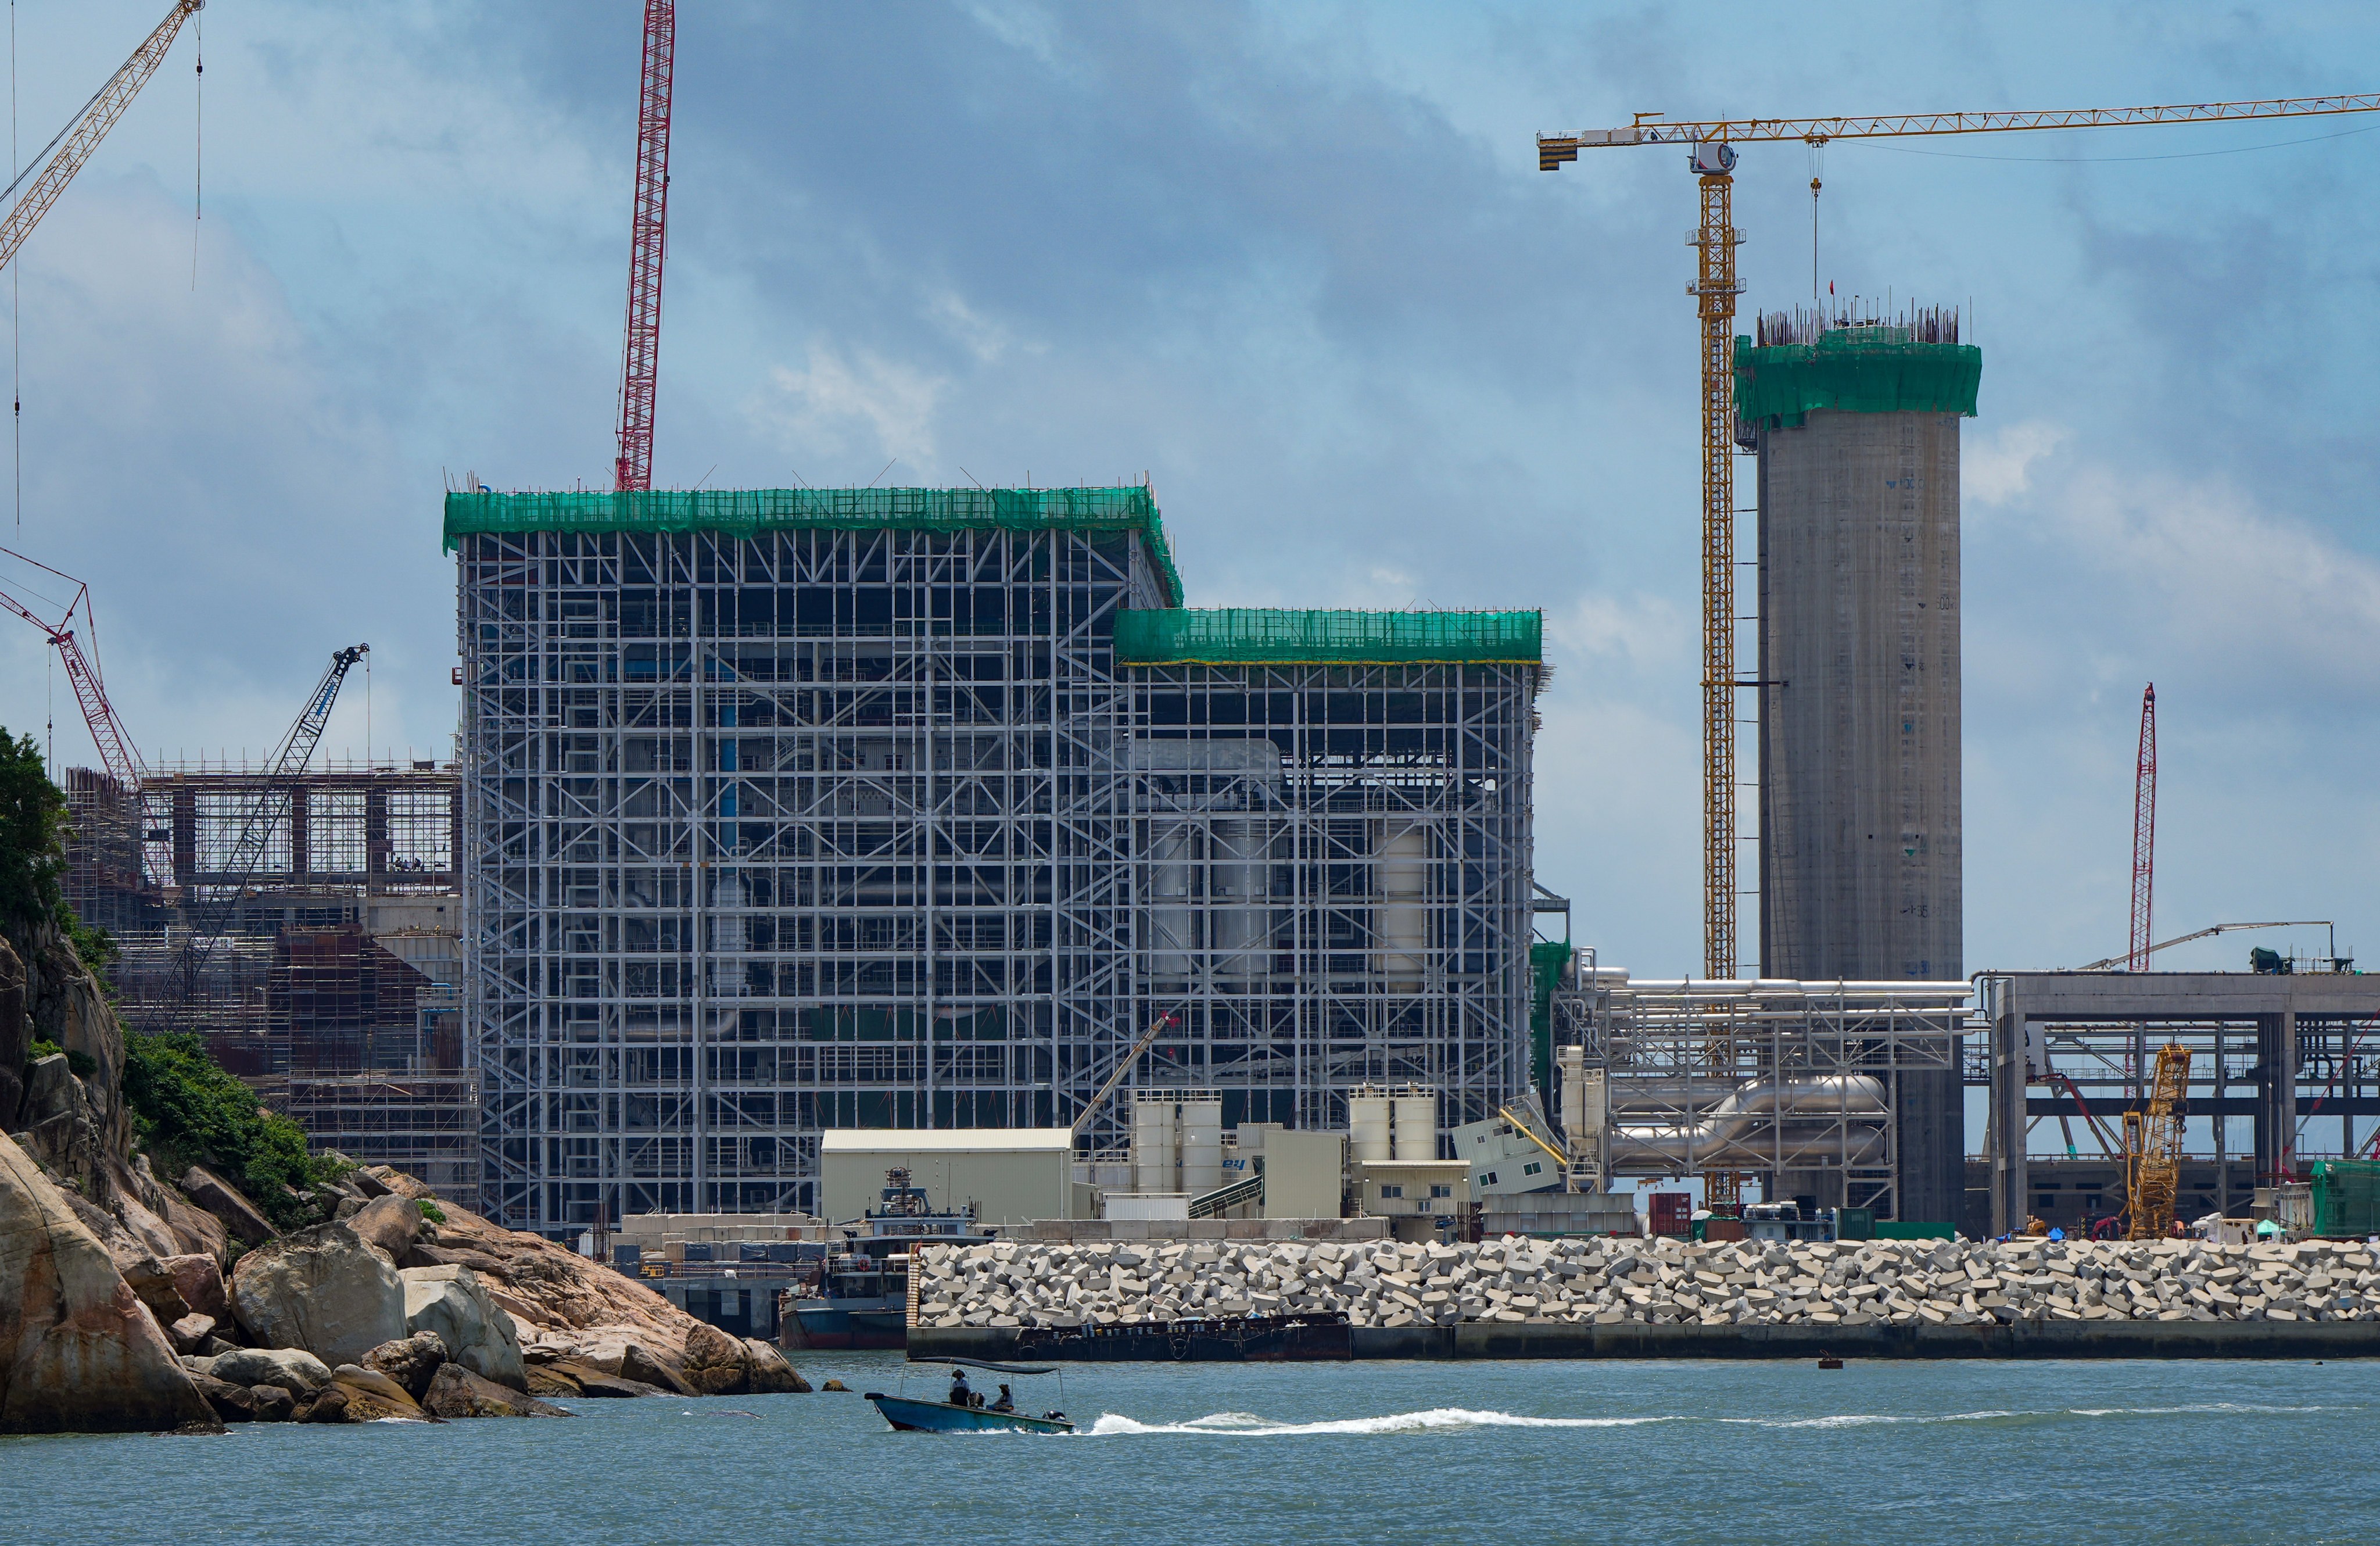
(1243, 1425)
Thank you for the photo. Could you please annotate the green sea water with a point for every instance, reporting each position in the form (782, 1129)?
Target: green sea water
(1385, 1452)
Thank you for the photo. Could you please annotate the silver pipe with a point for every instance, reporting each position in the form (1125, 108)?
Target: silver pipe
(1797, 1120)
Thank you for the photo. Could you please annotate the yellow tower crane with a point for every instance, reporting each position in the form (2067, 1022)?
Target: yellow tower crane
(1711, 156)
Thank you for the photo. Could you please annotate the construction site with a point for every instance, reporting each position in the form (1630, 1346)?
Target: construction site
(781, 813)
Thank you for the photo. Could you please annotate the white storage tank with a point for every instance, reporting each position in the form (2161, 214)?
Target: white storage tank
(1415, 1111)
(1401, 922)
(1201, 1127)
(1152, 1142)
(1367, 1124)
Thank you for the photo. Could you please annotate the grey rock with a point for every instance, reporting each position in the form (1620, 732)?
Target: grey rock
(322, 1289)
(228, 1203)
(453, 1303)
(292, 1368)
(192, 1332)
(389, 1222)
(410, 1361)
(456, 1391)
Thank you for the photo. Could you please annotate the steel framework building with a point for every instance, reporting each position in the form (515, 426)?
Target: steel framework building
(790, 811)
(1802, 1085)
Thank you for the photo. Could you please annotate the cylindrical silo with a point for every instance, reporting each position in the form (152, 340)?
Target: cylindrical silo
(1414, 1110)
(1857, 428)
(1153, 1168)
(1367, 1123)
(1172, 921)
(1400, 920)
(1201, 1127)
(1239, 925)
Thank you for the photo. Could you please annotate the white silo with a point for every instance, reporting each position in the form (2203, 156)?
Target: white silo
(1367, 1124)
(1201, 1128)
(1414, 1108)
(1153, 1168)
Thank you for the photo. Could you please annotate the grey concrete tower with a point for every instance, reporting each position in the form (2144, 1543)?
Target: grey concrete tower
(1857, 428)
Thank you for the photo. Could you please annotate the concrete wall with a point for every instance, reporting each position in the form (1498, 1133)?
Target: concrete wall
(1008, 1185)
(1859, 822)
(1304, 1174)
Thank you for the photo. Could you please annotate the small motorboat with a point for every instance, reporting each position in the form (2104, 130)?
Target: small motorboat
(974, 1415)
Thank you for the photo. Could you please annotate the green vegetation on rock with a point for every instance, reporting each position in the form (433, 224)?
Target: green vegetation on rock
(431, 1210)
(190, 1109)
(32, 835)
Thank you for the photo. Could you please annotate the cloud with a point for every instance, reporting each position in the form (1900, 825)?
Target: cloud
(821, 408)
(1999, 471)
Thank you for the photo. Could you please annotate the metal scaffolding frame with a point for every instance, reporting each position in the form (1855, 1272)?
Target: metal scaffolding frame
(775, 831)
(1768, 1079)
(2291, 1052)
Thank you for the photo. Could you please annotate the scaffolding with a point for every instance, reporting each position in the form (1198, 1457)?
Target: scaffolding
(1796, 1085)
(797, 813)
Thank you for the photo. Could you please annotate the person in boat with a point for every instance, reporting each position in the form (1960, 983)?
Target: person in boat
(961, 1395)
(1006, 1403)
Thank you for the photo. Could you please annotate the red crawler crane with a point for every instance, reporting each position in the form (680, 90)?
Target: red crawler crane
(2145, 832)
(649, 239)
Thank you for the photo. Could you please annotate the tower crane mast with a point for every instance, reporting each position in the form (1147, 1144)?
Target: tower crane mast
(1711, 159)
(2143, 833)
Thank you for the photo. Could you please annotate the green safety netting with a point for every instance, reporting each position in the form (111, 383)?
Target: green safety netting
(1871, 369)
(743, 511)
(1547, 959)
(2346, 1196)
(1263, 636)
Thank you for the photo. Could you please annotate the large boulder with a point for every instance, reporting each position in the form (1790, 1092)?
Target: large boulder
(716, 1364)
(199, 1281)
(196, 1231)
(772, 1375)
(78, 1351)
(410, 1361)
(292, 1368)
(453, 1303)
(372, 1395)
(229, 1204)
(389, 1222)
(321, 1289)
(456, 1391)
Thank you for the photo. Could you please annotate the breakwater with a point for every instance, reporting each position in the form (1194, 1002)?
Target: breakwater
(1637, 1299)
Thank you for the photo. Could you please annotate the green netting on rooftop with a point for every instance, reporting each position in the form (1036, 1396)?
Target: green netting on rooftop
(1862, 369)
(744, 511)
(1263, 636)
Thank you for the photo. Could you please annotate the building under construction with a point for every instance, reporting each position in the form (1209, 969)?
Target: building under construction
(326, 972)
(1855, 421)
(790, 810)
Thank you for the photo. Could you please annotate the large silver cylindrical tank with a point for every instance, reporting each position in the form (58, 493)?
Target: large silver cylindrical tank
(1400, 920)
(1239, 924)
(1414, 1110)
(1201, 1127)
(1367, 1124)
(1153, 1168)
(1172, 919)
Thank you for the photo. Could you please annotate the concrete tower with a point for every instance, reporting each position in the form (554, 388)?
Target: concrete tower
(1857, 428)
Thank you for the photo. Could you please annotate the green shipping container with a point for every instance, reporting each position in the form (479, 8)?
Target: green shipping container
(2346, 1196)
(1890, 1229)
(1854, 1223)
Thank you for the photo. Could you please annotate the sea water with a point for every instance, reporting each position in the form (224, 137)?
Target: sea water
(1504, 1453)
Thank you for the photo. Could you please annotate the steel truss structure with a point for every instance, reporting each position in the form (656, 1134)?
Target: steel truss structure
(2296, 1054)
(778, 830)
(1334, 865)
(1794, 1084)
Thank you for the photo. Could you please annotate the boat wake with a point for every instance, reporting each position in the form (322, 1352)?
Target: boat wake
(1244, 1425)
(1248, 1425)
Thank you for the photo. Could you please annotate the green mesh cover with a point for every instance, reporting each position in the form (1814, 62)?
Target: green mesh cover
(2346, 1196)
(1868, 370)
(1546, 959)
(744, 511)
(1263, 635)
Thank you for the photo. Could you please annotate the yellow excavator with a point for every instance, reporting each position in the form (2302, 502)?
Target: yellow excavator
(2152, 1148)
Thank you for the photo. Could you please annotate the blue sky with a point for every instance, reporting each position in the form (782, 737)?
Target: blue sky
(1294, 263)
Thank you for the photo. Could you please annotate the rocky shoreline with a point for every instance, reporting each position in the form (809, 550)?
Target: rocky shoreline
(1616, 1281)
(132, 1305)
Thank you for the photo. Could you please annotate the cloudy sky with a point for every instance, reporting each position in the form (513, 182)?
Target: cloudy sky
(1295, 263)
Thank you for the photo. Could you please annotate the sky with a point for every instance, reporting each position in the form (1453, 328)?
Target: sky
(1295, 264)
